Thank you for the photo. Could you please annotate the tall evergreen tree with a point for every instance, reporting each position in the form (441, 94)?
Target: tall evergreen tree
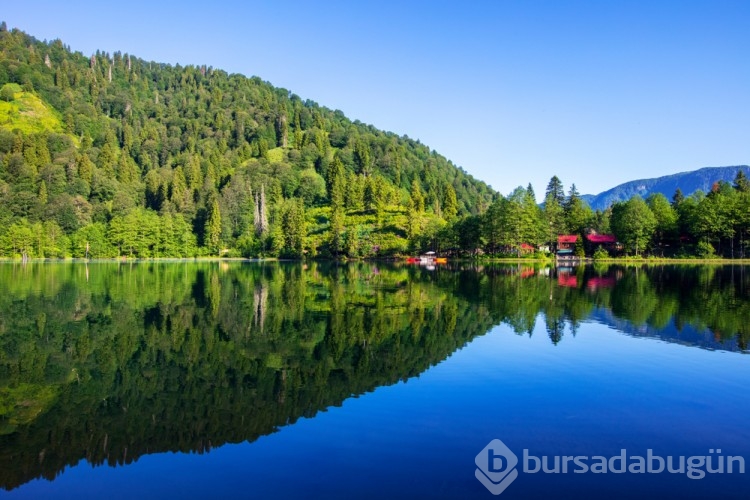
(213, 228)
(741, 182)
(555, 190)
(554, 218)
(450, 204)
(577, 212)
(677, 198)
(417, 197)
(530, 192)
(43, 193)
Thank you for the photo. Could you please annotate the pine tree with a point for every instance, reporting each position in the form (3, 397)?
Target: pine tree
(363, 157)
(355, 192)
(43, 193)
(555, 219)
(300, 226)
(530, 192)
(450, 204)
(293, 227)
(677, 198)
(276, 236)
(337, 230)
(414, 213)
(85, 167)
(350, 242)
(379, 193)
(213, 227)
(741, 182)
(335, 173)
(416, 197)
(555, 190)
(194, 173)
(42, 150)
(577, 213)
(368, 195)
(127, 170)
(179, 188)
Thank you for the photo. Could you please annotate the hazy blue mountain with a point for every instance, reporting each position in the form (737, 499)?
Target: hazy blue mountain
(687, 335)
(688, 182)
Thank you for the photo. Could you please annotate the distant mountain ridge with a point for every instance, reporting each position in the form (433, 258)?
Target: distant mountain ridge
(688, 182)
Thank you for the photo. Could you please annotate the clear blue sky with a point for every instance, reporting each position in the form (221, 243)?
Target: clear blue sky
(595, 92)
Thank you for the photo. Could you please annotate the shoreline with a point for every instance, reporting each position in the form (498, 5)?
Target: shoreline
(460, 260)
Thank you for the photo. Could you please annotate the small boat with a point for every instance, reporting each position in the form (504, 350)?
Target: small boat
(429, 258)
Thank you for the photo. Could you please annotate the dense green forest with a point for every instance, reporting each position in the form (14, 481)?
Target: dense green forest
(110, 361)
(112, 155)
(713, 224)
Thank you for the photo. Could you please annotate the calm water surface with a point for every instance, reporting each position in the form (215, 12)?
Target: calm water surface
(155, 380)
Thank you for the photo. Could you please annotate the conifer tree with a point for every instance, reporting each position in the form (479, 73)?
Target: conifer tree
(416, 197)
(450, 204)
(741, 182)
(213, 227)
(43, 193)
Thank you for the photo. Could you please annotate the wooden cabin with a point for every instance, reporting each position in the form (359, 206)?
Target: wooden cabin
(566, 244)
(607, 241)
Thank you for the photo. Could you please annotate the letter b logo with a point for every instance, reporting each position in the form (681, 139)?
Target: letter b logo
(496, 463)
(496, 466)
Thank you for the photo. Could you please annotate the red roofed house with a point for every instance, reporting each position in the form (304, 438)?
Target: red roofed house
(600, 239)
(566, 244)
(526, 248)
(606, 241)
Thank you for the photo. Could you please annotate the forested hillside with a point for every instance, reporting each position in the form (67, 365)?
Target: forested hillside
(109, 155)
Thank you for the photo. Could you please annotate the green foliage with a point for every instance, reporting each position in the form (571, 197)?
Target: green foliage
(600, 253)
(8, 92)
(293, 228)
(213, 228)
(577, 213)
(511, 222)
(633, 224)
(741, 182)
(210, 158)
(666, 219)
(555, 191)
(123, 135)
(580, 251)
(26, 112)
(312, 187)
(705, 250)
(450, 204)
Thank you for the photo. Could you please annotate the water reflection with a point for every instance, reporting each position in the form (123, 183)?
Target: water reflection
(108, 362)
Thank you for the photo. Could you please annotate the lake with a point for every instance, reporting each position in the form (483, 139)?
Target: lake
(370, 380)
